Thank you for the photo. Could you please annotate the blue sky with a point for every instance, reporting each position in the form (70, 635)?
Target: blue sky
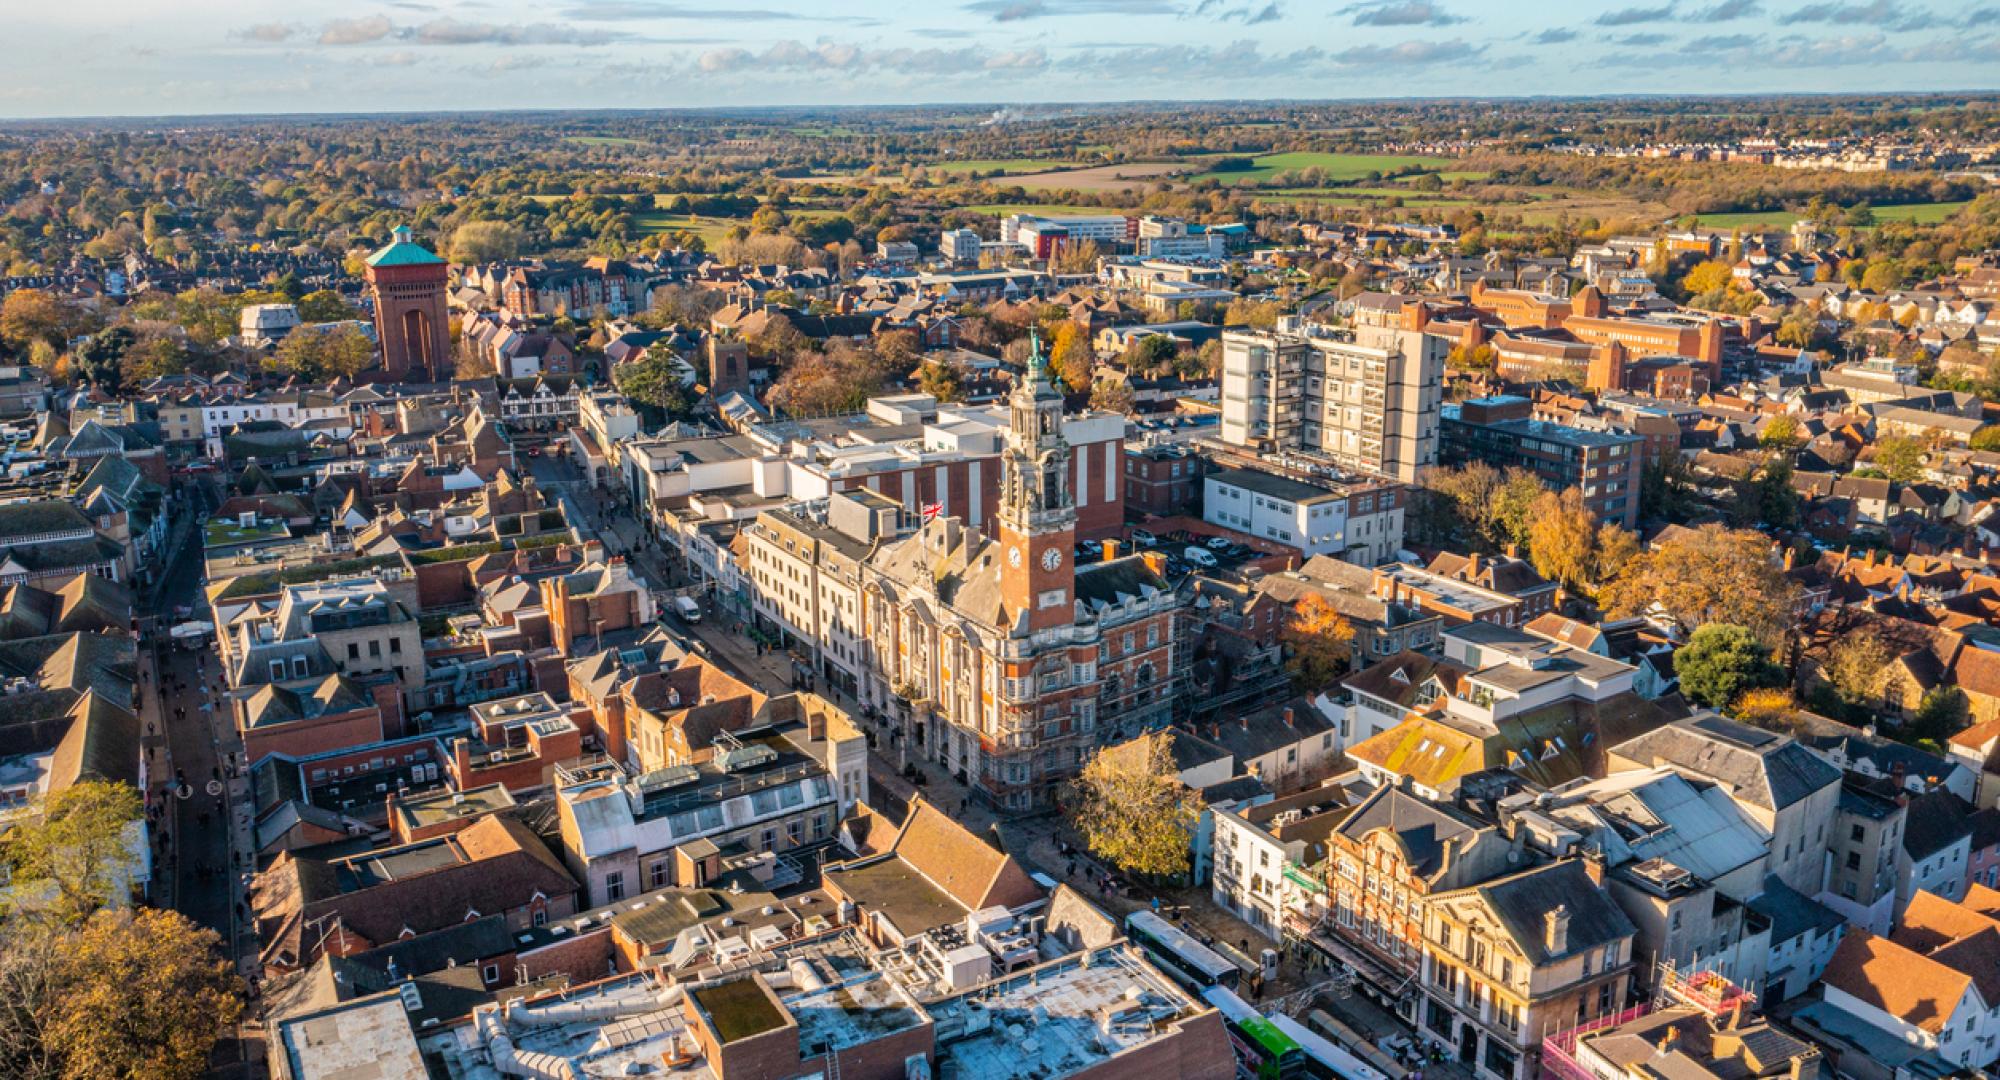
(151, 57)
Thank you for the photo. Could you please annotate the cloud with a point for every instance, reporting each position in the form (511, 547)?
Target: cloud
(1554, 35)
(1018, 10)
(1641, 41)
(793, 57)
(1729, 11)
(624, 10)
(1400, 13)
(356, 31)
(1407, 54)
(1722, 43)
(1254, 16)
(1887, 14)
(268, 33)
(442, 31)
(1633, 16)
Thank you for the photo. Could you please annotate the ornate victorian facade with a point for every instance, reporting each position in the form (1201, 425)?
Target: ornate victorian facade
(1005, 661)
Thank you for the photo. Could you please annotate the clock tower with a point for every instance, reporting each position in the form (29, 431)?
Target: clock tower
(1037, 516)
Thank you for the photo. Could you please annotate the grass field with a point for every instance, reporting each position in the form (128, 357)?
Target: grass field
(710, 229)
(1922, 213)
(603, 140)
(1336, 166)
(1004, 165)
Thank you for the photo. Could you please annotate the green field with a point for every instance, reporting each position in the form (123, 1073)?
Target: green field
(602, 140)
(1922, 213)
(1003, 165)
(1336, 166)
(710, 229)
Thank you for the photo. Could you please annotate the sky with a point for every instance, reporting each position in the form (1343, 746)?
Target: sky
(184, 57)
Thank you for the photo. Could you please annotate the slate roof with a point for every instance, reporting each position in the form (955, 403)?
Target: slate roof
(1765, 769)
(1934, 821)
(1420, 826)
(1523, 901)
(1792, 912)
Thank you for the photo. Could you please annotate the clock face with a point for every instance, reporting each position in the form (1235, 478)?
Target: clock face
(1051, 558)
(1014, 556)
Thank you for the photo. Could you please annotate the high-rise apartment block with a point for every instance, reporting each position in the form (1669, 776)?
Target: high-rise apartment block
(1365, 396)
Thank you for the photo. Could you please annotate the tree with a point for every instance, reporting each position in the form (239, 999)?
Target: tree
(1721, 661)
(486, 241)
(325, 305)
(1151, 354)
(1111, 395)
(1781, 433)
(1514, 508)
(1900, 458)
(317, 355)
(139, 993)
(1666, 490)
(77, 848)
(1320, 642)
(1707, 575)
(1562, 537)
(1777, 504)
(1132, 810)
(942, 379)
(1857, 664)
(1940, 715)
(1771, 708)
(29, 315)
(1987, 438)
(1071, 356)
(655, 379)
(100, 359)
(1707, 276)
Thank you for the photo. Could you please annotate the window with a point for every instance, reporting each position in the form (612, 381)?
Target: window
(614, 886)
(1499, 1060)
(375, 648)
(1854, 860)
(539, 918)
(299, 669)
(659, 875)
(354, 650)
(1858, 835)
(396, 646)
(490, 973)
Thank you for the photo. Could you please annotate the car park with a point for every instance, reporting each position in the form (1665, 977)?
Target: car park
(1199, 556)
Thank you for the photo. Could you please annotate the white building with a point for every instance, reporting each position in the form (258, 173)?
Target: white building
(1314, 519)
(961, 246)
(266, 324)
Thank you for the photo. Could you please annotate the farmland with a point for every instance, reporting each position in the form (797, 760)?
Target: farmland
(1336, 167)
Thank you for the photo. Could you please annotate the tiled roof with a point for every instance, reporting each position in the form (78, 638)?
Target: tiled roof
(1896, 980)
(972, 871)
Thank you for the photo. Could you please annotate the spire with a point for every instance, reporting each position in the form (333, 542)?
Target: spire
(1038, 370)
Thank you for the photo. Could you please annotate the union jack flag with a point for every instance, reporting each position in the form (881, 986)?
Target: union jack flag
(932, 510)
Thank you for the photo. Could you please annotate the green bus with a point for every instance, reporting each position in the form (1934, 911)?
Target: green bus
(1263, 1050)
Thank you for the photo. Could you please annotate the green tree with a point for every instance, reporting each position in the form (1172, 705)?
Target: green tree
(654, 379)
(100, 359)
(1900, 458)
(1720, 662)
(1777, 504)
(317, 355)
(1781, 432)
(1132, 810)
(1987, 438)
(941, 379)
(325, 305)
(1857, 664)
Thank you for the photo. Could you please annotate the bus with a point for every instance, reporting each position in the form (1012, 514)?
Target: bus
(1263, 1049)
(1325, 1059)
(1185, 960)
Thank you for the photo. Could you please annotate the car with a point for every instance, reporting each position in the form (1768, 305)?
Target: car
(1217, 543)
(534, 451)
(687, 609)
(1144, 538)
(1199, 556)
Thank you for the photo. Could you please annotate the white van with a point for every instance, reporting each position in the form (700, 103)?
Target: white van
(687, 609)
(1200, 556)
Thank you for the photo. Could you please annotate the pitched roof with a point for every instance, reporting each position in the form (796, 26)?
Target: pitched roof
(971, 871)
(404, 251)
(1523, 902)
(1901, 982)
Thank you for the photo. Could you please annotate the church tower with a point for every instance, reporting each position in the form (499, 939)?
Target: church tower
(1037, 515)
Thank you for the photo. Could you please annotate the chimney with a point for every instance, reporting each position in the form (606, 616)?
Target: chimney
(1593, 865)
(1243, 721)
(1110, 550)
(1791, 555)
(1805, 1066)
(1472, 567)
(1736, 1013)
(1447, 855)
(1288, 717)
(1555, 930)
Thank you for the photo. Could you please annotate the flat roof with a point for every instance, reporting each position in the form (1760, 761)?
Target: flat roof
(1059, 1019)
(893, 888)
(738, 1008)
(427, 810)
(365, 1039)
(1276, 487)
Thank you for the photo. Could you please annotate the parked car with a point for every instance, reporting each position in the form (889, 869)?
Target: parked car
(1200, 556)
(1144, 538)
(1217, 543)
(687, 609)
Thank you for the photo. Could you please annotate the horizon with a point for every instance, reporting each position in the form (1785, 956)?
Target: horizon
(125, 60)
